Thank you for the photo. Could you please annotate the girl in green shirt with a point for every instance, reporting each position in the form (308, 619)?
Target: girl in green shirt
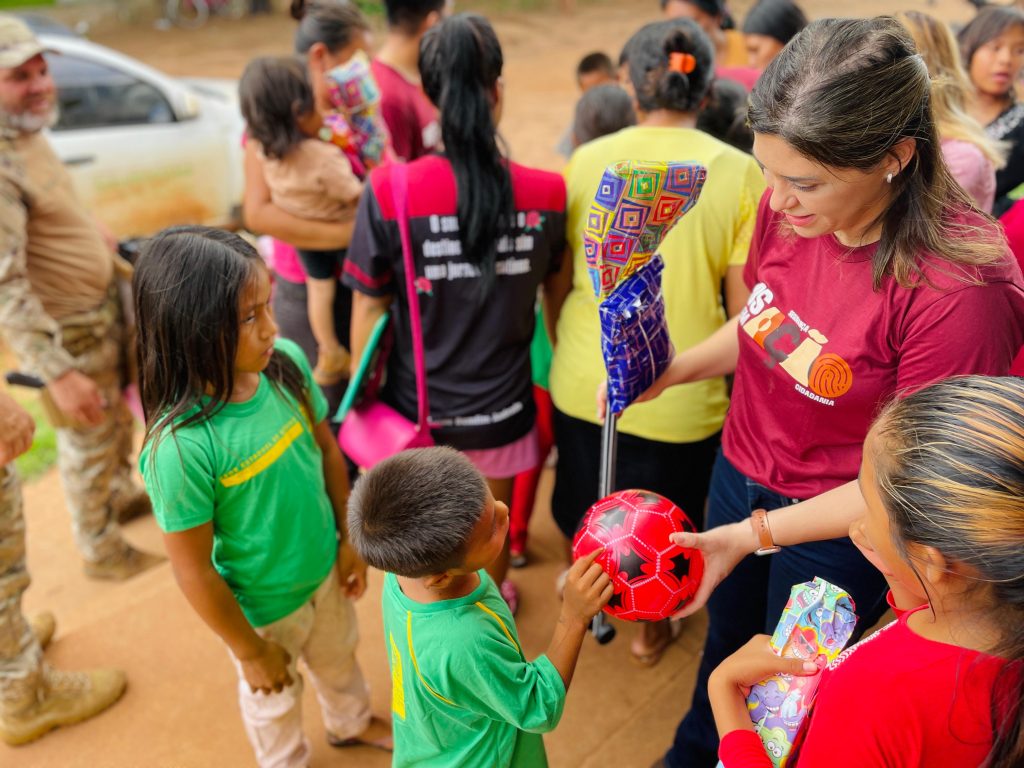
(249, 487)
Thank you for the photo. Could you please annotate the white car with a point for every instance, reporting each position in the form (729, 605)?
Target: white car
(146, 151)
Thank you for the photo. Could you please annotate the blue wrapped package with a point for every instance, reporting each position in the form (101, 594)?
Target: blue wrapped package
(634, 335)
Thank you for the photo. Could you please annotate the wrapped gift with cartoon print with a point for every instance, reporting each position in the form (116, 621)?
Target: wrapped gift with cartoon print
(357, 125)
(815, 626)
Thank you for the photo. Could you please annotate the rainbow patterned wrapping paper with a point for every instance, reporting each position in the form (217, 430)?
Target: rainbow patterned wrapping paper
(636, 205)
(815, 626)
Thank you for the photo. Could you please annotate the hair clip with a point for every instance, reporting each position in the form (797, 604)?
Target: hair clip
(682, 62)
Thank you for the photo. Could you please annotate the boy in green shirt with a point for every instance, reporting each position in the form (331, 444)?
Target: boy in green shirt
(463, 692)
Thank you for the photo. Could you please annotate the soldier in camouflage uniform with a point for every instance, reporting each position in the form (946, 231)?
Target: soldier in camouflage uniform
(34, 698)
(59, 310)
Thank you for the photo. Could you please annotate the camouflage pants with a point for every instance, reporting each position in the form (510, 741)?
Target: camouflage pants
(95, 462)
(21, 659)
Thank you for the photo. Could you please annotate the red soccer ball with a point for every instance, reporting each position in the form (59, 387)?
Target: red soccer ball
(653, 578)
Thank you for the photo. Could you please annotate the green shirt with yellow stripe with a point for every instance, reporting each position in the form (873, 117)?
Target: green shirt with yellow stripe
(463, 693)
(255, 471)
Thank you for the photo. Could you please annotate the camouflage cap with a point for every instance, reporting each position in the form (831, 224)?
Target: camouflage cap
(17, 43)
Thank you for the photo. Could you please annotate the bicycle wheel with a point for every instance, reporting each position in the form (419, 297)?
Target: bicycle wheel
(188, 13)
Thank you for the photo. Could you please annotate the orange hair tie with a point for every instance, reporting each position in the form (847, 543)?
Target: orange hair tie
(682, 62)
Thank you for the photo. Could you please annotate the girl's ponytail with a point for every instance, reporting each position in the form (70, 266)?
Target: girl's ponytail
(950, 472)
(460, 64)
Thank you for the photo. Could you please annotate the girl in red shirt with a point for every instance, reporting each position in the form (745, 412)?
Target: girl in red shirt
(942, 478)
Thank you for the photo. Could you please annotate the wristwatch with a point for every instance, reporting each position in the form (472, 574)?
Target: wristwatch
(766, 544)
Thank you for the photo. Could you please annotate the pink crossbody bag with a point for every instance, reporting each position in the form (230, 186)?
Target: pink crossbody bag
(371, 430)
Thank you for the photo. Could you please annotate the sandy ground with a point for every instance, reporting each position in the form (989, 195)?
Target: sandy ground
(180, 708)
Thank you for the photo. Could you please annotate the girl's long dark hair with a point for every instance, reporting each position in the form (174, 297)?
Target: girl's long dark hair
(188, 284)
(460, 63)
(950, 473)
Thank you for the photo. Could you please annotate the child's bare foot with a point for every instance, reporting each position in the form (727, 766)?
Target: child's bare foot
(331, 366)
(376, 735)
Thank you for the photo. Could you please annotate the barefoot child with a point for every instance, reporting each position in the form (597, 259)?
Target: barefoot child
(464, 693)
(308, 178)
(943, 481)
(249, 488)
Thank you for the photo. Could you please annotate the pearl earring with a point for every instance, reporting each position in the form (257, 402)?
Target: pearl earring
(888, 178)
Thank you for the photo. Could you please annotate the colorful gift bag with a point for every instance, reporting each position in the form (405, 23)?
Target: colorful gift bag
(634, 335)
(636, 205)
(815, 626)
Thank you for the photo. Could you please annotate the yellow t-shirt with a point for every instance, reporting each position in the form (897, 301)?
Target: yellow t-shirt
(713, 236)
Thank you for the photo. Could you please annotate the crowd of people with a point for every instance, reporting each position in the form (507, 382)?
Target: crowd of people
(847, 309)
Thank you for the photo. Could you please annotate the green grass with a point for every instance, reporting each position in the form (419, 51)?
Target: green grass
(13, 5)
(43, 453)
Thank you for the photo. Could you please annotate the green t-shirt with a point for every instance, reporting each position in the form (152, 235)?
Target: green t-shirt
(462, 692)
(255, 470)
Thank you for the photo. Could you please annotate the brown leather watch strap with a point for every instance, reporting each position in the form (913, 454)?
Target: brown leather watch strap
(766, 544)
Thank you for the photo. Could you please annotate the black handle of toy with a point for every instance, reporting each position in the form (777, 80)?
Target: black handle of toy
(602, 631)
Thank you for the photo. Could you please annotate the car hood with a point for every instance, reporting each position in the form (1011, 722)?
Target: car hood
(222, 89)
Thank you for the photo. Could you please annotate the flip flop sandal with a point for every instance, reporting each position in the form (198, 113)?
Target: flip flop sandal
(653, 655)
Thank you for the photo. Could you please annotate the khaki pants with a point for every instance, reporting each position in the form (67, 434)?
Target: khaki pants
(21, 659)
(95, 462)
(323, 634)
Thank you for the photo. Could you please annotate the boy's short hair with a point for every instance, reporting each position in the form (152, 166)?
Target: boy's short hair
(408, 15)
(602, 110)
(598, 61)
(413, 513)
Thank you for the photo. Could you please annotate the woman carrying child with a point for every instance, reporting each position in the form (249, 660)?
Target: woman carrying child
(670, 65)
(309, 178)
(871, 273)
(328, 35)
(942, 480)
(486, 233)
(249, 488)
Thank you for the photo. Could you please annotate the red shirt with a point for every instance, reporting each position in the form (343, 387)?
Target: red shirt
(821, 350)
(893, 699)
(410, 117)
(1013, 224)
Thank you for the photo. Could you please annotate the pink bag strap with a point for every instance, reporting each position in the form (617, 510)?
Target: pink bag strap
(400, 193)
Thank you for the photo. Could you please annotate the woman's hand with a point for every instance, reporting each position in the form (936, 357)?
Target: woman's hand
(267, 671)
(351, 571)
(722, 547)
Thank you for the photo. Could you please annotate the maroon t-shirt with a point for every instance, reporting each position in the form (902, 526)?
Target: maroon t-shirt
(476, 344)
(410, 117)
(821, 350)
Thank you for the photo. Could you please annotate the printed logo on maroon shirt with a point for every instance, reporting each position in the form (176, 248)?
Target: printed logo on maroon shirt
(795, 347)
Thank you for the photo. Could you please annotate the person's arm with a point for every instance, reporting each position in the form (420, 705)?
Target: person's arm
(33, 335)
(827, 516)
(264, 662)
(736, 290)
(16, 429)
(730, 683)
(557, 286)
(261, 215)
(351, 568)
(366, 311)
(715, 356)
(587, 590)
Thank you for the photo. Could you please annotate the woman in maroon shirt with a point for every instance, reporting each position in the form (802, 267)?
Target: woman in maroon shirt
(871, 273)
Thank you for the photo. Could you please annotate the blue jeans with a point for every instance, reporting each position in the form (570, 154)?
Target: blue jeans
(750, 600)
